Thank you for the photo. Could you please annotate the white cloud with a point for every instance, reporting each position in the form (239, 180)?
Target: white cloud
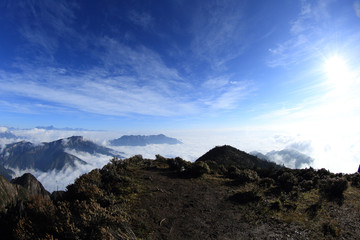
(338, 154)
(216, 83)
(3, 129)
(127, 79)
(59, 179)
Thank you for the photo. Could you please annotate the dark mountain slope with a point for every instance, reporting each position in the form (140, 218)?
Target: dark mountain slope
(8, 193)
(138, 198)
(230, 156)
(140, 140)
(25, 155)
(31, 185)
(78, 143)
(49, 156)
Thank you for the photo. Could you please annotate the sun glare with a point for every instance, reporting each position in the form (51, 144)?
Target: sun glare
(337, 72)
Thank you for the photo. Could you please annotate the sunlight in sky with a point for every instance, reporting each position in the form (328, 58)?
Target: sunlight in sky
(337, 73)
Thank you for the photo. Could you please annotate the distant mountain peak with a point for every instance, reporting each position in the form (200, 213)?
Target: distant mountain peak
(229, 156)
(143, 140)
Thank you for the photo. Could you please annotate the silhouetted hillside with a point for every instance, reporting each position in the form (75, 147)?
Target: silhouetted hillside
(230, 156)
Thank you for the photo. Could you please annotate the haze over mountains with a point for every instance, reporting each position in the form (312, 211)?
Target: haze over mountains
(288, 157)
(49, 156)
(62, 160)
(73, 156)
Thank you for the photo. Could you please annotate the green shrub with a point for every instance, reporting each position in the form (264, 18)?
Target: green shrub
(267, 182)
(197, 169)
(246, 175)
(308, 173)
(245, 197)
(286, 181)
(160, 158)
(307, 185)
(333, 189)
(178, 164)
(323, 173)
(135, 160)
(214, 167)
(355, 180)
(233, 172)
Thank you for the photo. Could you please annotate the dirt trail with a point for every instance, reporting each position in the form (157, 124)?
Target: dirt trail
(177, 208)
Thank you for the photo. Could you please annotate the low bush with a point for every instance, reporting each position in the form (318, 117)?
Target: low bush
(243, 176)
(267, 182)
(197, 169)
(287, 180)
(178, 164)
(307, 185)
(333, 189)
(355, 180)
(245, 197)
(323, 173)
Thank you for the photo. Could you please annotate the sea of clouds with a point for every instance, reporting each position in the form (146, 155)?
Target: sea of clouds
(340, 155)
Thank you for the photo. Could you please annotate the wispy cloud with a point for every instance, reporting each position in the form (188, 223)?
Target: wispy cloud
(142, 19)
(126, 79)
(44, 24)
(219, 34)
(307, 36)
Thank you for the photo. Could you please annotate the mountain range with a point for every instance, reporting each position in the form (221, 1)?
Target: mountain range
(142, 140)
(49, 155)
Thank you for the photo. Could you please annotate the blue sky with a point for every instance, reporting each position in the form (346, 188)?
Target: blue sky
(123, 65)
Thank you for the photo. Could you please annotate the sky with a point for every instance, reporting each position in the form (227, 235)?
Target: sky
(285, 71)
